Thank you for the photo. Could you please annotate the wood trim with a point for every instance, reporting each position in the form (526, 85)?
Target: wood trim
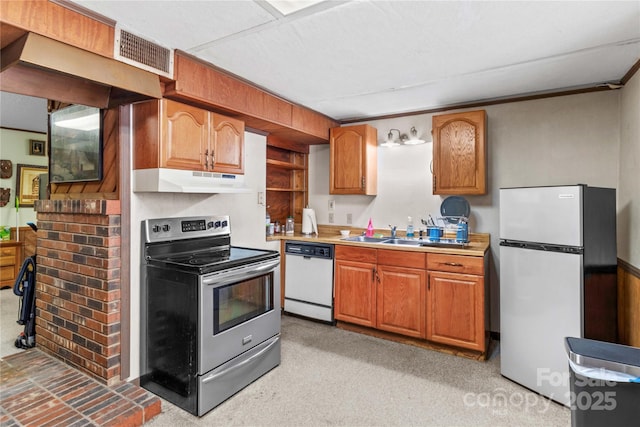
(125, 241)
(632, 71)
(628, 304)
(482, 103)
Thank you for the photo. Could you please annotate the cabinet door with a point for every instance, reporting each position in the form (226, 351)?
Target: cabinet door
(355, 297)
(459, 153)
(226, 153)
(401, 300)
(353, 160)
(455, 310)
(185, 136)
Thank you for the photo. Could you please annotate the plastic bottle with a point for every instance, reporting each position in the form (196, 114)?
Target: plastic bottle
(268, 224)
(410, 227)
(289, 226)
(369, 232)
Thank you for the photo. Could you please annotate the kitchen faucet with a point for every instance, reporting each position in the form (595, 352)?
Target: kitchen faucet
(393, 231)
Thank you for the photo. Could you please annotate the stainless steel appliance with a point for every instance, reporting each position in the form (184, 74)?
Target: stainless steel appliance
(557, 279)
(309, 280)
(210, 312)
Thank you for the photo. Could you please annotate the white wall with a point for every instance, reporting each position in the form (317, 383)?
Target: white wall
(562, 140)
(246, 218)
(629, 190)
(14, 146)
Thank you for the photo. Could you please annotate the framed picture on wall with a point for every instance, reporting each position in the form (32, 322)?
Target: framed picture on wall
(28, 183)
(37, 148)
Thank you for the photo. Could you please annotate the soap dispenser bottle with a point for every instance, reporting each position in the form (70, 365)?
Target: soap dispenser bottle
(369, 232)
(410, 228)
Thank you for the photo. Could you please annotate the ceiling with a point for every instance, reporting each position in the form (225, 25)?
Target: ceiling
(360, 59)
(364, 59)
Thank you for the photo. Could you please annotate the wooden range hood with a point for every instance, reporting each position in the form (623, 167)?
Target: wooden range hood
(39, 66)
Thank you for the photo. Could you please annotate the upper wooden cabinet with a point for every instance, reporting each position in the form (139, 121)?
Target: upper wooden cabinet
(354, 160)
(460, 153)
(168, 134)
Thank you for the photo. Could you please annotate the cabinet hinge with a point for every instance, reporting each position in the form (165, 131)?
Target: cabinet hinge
(363, 182)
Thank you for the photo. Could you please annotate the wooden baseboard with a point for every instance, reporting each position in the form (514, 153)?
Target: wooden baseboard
(469, 354)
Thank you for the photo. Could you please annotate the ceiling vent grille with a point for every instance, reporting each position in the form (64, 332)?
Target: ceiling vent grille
(142, 53)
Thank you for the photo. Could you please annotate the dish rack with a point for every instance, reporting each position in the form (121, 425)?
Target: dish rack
(447, 224)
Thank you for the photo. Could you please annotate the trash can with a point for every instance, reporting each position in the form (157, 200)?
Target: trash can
(604, 383)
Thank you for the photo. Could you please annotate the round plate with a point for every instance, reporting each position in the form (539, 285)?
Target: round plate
(453, 207)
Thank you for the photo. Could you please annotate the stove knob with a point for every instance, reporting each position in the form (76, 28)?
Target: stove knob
(156, 229)
(225, 223)
(217, 224)
(166, 227)
(210, 225)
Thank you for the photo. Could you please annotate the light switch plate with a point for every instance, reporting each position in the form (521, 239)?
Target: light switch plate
(349, 219)
(332, 205)
(331, 218)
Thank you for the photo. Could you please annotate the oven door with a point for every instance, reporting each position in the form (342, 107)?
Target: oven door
(240, 308)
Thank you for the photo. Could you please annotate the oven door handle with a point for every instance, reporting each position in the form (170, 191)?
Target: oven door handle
(241, 364)
(241, 273)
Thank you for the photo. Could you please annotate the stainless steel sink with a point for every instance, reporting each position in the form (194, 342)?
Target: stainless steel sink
(407, 242)
(365, 239)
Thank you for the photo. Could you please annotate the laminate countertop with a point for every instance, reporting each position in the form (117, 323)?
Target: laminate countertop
(479, 242)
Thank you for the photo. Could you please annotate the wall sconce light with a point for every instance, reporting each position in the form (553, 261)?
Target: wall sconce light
(414, 140)
(402, 138)
(391, 142)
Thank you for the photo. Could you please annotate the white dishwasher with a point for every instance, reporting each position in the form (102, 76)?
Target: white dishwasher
(308, 286)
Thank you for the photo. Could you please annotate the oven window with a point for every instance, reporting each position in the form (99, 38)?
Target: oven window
(239, 302)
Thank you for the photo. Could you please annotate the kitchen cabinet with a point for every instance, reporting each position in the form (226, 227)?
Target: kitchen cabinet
(354, 285)
(436, 297)
(401, 293)
(382, 289)
(460, 153)
(353, 160)
(10, 262)
(169, 134)
(456, 312)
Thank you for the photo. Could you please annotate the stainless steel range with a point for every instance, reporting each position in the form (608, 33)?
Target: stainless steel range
(210, 312)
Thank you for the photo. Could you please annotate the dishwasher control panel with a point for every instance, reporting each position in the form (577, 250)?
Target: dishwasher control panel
(317, 250)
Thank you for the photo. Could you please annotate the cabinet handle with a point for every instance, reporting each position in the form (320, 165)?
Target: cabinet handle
(206, 159)
(363, 182)
(453, 264)
(373, 275)
(213, 159)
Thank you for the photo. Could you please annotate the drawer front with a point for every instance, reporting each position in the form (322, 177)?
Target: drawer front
(401, 258)
(7, 273)
(7, 260)
(351, 253)
(456, 263)
(8, 251)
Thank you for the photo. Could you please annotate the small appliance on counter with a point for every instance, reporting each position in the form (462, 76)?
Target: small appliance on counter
(309, 223)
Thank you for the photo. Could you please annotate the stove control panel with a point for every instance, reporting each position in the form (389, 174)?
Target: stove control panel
(166, 229)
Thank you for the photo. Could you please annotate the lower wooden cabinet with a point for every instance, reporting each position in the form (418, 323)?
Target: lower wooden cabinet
(437, 297)
(355, 278)
(400, 300)
(455, 307)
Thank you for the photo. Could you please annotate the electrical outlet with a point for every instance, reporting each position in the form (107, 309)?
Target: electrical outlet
(331, 218)
(332, 205)
(261, 198)
(349, 219)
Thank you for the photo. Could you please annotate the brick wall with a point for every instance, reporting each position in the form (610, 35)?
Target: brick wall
(78, 284)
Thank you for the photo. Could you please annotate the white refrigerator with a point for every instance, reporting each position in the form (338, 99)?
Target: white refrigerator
(557, 250)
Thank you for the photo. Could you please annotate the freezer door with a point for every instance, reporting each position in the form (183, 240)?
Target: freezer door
(540, 305)
(542, 214)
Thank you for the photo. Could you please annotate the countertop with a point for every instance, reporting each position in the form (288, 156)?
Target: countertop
(478, 245)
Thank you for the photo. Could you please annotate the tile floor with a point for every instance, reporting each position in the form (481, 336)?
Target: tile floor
(39, 390)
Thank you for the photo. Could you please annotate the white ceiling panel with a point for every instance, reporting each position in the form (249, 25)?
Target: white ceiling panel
(359, 59)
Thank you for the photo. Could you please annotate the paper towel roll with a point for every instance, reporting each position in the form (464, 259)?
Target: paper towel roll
(309, 223)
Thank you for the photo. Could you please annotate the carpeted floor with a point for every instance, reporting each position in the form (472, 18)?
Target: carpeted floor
(332, 377)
